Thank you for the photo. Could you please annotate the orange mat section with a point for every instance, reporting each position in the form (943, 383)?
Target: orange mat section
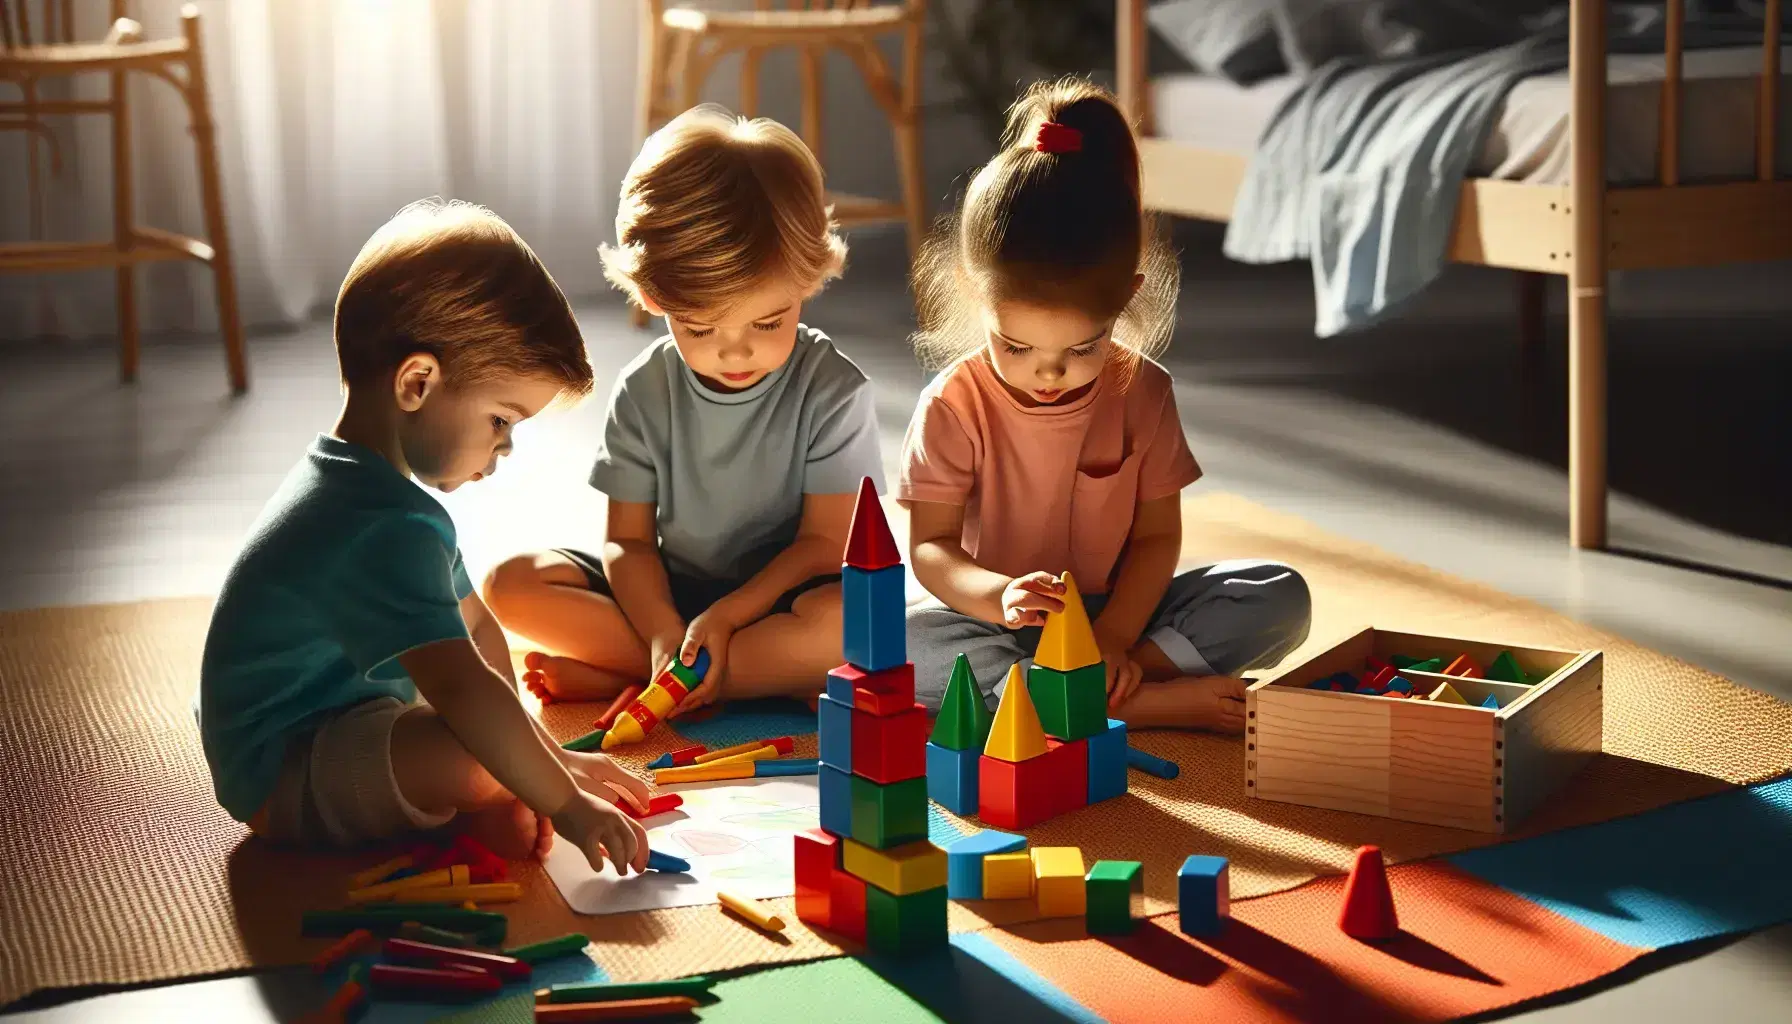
(1465, 947)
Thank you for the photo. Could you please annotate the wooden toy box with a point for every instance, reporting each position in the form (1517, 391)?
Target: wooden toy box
(1421, 760)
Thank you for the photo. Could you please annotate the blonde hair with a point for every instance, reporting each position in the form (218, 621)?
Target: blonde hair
(455, 281)
(713, 206)
(1055, 229)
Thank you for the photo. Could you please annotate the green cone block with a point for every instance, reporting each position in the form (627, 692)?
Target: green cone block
(964, 720)
(1505, 670)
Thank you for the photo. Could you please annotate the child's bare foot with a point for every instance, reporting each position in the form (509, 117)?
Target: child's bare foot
(1213, 703)
(511, 830)
(553, 678)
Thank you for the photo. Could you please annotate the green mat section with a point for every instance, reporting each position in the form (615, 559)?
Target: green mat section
(816, 991)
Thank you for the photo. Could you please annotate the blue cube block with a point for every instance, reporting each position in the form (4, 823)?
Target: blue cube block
(1107, 762)
(836, 800)
(834, 733)
(964, 860)
(1203, 895)
(876, 633)
(952, 778)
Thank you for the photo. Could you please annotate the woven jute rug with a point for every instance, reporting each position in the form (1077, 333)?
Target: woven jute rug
(120, 867)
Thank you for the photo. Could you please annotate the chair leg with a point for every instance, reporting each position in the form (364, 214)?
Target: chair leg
(211, 188)
(908, 140)
(651, 85)
(751, 61)
(123, 188)
(812, 131)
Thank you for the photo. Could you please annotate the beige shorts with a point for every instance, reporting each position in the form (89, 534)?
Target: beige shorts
(336, 785)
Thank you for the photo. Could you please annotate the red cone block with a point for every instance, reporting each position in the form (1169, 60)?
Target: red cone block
(870, 545)
(1368, 902)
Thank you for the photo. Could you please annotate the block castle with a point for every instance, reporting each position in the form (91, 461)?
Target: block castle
(1051, 748)
(869, 872)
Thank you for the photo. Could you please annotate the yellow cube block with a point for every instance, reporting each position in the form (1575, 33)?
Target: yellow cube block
(1008, 876)
(900, 870)
(1058, 881)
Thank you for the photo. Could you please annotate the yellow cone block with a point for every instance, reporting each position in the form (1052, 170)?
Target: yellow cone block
(1008, 876)
(1445, 693)
(900, 870)
(1058, 881)
(1068, 641)
(1016, 734)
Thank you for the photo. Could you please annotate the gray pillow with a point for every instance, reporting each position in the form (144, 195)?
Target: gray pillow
(1235, 39)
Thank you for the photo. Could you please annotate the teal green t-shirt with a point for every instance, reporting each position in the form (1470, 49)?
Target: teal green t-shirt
(349, 566)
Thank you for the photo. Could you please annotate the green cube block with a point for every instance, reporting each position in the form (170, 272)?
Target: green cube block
(1505, 670)
(1072, 705)
(914, 923)
(1116, 896)
(886, 816)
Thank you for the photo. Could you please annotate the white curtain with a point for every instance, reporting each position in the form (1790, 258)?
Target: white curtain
(331, 115)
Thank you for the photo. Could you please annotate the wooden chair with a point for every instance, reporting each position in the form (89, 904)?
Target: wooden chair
(680, 45)
(24, 63)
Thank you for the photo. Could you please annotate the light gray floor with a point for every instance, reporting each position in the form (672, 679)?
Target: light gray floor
(1429, 437)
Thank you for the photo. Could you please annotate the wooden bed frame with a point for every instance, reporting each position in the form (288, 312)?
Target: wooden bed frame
(1579, 230)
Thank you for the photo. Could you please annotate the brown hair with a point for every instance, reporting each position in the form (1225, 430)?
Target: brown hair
(455, 281)
(712, 206)
(1056, 229)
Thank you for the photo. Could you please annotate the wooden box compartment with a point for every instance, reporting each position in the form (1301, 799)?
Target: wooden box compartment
(1422, 760)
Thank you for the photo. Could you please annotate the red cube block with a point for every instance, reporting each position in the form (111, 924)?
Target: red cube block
(890, 748)
(1015, 794)
(846, 899)
(817, 855)
(888, 692)
(1067, 768)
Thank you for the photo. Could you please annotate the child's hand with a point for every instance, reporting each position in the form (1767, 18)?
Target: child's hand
(1124, 674)
(661, 650)
(711, 630)
(602, 832)
(1026, 600)
(603, 778)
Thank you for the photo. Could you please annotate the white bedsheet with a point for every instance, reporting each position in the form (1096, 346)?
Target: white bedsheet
(1530, 141)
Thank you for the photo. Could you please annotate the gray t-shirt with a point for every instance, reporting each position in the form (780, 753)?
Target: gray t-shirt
(728, 471)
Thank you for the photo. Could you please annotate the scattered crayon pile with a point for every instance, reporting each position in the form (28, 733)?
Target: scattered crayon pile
(753, 759)
(1402, 677)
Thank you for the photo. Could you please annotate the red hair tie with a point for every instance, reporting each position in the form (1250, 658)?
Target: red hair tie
(1057, 138)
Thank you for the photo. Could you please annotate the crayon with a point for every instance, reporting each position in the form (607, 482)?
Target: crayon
(419, 932)
(490, 892)
(672, 686)
(346, 998)
(590, 741)
(784, 744)
(380, 872)
(456, 875)
(549, 949)
(623, 700)
(657, 861)
(695, 986)
(622, 1009)
(1151, 764)
(429, 983)
(658, 804)
(702, 773)
(341, 950)
(508, 968)
(786, 766)
(384, 919)
(750, 910)
(744, 757)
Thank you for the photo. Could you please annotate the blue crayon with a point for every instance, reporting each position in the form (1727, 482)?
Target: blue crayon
(657, 861)
(787, 766)
(662, 761)
(1151, 764)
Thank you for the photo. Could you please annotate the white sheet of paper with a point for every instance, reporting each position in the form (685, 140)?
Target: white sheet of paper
(736, 834)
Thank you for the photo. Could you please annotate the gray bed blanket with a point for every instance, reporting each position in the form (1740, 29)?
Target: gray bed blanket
(1361, 168)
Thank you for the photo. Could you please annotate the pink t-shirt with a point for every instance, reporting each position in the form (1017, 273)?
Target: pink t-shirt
(1048, 488)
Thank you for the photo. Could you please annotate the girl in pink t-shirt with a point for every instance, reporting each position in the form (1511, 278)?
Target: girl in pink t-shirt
(1050, 443)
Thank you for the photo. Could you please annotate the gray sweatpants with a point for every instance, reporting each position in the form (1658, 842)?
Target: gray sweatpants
(1217, 620)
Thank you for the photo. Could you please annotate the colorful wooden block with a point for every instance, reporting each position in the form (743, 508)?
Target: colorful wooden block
(817, 857)
(880, 693)
(846, 904)
(1067, 642)
(875, 617)
(1067, 775)
(888, 815)
(952, 778)
(869, 543)
(899, 870)
(1116, 896)
(890, 748)
(1381, 677)
(1504, 669)
(1400, 684)
(836, 799)
(1008, 876)
(1446, 694)
(1016, 734)
(1463, 666)
(1014, 794)
(833, 730)
(1070, 705)
(1203, 895)
(1107, 762)
(1368, 907)
(901, 925)
(1491, 702)
(964, 719)
(965, 857)
(1058, 885)
(1428, 665)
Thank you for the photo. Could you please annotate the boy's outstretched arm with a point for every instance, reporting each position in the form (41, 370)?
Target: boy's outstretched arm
(637, 576)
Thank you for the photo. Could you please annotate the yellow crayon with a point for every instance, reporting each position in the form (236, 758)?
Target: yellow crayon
(648, 710)
(703, 773)
(454, 875)
(745, 756)
(488, 892)
(782, 745)
(379, 872)
(750, 910)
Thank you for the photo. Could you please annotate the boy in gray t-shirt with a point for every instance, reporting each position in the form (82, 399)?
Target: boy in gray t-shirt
(733, 448)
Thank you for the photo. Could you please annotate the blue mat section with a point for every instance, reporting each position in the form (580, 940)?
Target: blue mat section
(940, 829)
(972, 979)
(1686, 872)
(743, 720)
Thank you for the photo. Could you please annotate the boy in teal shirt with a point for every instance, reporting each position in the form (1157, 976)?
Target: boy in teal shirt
(349, 599)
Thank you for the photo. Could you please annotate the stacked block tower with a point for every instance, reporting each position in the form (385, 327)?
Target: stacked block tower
(869, 872)
(1052, 748)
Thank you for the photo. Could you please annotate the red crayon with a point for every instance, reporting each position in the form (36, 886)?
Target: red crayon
(508, 968)
(623, 700)
(655, 805)
(424, 982)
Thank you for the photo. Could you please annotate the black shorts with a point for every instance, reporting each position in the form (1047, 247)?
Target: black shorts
(691, 595)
